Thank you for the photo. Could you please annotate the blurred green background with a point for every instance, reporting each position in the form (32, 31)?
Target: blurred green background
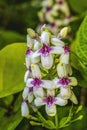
(15, 17)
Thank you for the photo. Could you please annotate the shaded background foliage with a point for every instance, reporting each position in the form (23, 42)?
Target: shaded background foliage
(15, 17)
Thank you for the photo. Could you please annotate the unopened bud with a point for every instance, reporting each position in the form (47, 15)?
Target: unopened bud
(80, 117)
(79, 108)
(63, 33)
(31, 32)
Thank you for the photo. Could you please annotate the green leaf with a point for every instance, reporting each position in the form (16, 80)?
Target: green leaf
(79, 49)
(11, 122)
(12, 69)
(78, 6)
(8, 37)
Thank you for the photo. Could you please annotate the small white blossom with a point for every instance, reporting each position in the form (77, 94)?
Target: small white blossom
(24, 109)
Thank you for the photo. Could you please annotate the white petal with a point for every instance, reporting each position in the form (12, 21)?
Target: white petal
(35, 59)
(30, 97)
(28, 83)
(36, 71)
(24, 109)
(57, 50)
(38, 92)
(64, 58)
(63, 33)
(55, 41)
(38, 101)
(51, 110)
(69, 69)
(45, 37)
(73, 98)
(46, 3)
(73, 81)
(48, 84)
(28, 61)
(60, 101)
(65, 92)
(47, 61)
(27, 75)
(51, 92)
(25, 93)
(29, 41)
(37, 45)
(55, 81)
(61, 70)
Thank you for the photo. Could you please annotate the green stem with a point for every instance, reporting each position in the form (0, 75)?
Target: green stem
(56, 121)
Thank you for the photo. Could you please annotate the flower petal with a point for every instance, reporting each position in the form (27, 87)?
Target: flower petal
(35, 71)
(73, 98)
(24, 109)
(28, 61)
(64, 58)
(55, 41)
(28, 83)
(48, 84)
(73, 81)
(61, 70)
(30, 97)
(25, 93)
(29, 41)
(55, 81)
(45, 38)
(38, 101)
(60, 101)
(38, 92)
(51, 110)
(57, 50)
(65, 92)
(47, 61)
(27, 75)
(37, 45)
(51, 92)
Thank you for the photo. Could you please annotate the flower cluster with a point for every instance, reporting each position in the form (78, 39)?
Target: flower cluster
(47, 78)
(56, 13)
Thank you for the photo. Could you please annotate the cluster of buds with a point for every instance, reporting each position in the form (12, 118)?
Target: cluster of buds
(47, 78)
(56, 13)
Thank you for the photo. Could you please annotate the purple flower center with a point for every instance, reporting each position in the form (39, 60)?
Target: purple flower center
(28, 52)
(48, 9)
(30, 69)
(31, 89)
(66, 49)
(49, 100)
(23, 102)
(45, 50)
(69, 17)
(60, 2)
(52, 25)
(36, 82)
(64, 81)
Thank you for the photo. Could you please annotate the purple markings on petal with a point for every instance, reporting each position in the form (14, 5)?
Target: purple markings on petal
(64, 81)
(49, 100)
(45, 50)
(28, 52)
(52, 25)
(60, 2)
(36, 82)
(48, 9)
(31, 89)
(66, 49)
(23, 102)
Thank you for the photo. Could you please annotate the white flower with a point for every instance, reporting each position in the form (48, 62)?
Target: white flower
(24, 109)
(46, 54)
(61, 70)
(28, 74)
(36, 84)
(50, 101)
(65, 84)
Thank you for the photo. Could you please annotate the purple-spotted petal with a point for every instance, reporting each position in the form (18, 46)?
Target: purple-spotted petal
(36, 82)
(49, 100)
(64, 81)
(45, 50)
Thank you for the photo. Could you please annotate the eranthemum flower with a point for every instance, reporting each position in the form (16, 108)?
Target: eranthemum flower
(65, 84)
(50, 102)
